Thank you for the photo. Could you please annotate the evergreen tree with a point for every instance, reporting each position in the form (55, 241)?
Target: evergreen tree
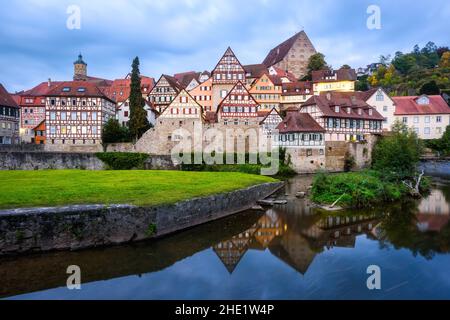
(138, 116)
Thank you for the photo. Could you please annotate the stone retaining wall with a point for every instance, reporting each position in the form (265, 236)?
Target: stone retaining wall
(77, 227)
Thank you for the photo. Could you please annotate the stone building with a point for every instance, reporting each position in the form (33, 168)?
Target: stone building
(304, 140)
(9, 118)
(75, 114)
(292, 55)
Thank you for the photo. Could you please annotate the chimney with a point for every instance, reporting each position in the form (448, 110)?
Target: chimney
(49, 83)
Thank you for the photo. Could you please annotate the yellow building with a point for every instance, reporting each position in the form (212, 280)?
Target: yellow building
(342, 80)
(267, 92)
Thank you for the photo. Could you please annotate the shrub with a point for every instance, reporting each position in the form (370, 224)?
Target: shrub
(123, 160)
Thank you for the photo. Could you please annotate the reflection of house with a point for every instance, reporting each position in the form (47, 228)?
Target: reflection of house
(268, 227)
(434, 212)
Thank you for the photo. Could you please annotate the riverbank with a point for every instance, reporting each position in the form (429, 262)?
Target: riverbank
(85, 226)
(359, 189)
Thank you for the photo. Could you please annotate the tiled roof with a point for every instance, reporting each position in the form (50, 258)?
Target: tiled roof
(409, 105)
(185, 78)
(327, 102)
(124, 86)
(299, 122)
(284, 74)
(5, 98)
(41, 89)
(173, 82)
(340, 75)
(210, 116)
(279, 52)
(73, 90)
(255, 70)
(297, 88)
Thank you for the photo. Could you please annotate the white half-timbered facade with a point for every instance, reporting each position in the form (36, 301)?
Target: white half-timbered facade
(238, 107)
(270, 122)
(343, 116)
(76, 112)
(164, 92)
(183, 107)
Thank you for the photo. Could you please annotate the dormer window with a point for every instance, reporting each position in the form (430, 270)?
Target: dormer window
(336, 109)
(359, 111)
(424, 100)
(66, 89)
(81, 89)
(370, 112)
(349, 110)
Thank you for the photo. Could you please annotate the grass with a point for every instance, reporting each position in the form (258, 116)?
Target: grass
(358, 189)
(20, 189)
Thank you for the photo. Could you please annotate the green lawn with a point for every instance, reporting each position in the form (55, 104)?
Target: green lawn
(19, 189)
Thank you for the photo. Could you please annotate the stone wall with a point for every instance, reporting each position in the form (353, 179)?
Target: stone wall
(301, 162)
(49, 160)
(121, 147)
(75, 148)
(77, 227)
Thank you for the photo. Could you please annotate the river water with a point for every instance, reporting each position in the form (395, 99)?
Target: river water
(287, 252)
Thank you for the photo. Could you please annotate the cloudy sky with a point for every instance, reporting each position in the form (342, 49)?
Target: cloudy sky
(173, 36)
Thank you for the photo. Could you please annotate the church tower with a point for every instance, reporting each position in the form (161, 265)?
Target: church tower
(80, 68)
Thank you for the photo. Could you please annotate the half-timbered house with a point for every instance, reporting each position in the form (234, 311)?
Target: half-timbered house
(270, 122)
(203, 94)
(238, 107)
(164, 91)
(9, 118)
(76, 112)
(225, 75)
(267, 92)
(343, 116)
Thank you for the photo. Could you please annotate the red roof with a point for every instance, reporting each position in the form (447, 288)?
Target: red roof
(255, 70)
(336, 75)
(284, 74)
(299, 122)
(185, 78)
(327, 102)
(124, 86)
(409, 106)
(41, 89)
(74, 89)
(297, 88)
(5, 98)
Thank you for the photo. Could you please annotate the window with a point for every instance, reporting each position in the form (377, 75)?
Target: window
(405, 119)
(125, 113)
(223, 93)
(94, 116)
(438, 130)
(53, 130)
(416, 119)
(66, 89)
(438, 119)
(94, 130)
(426, 130)
(73, 116)
(380, 96)
(83, 116)
(385, 108)
(63, 116)
(52, 115)
(308, 152)
(336, 109)
(427, 119)
(81, 89)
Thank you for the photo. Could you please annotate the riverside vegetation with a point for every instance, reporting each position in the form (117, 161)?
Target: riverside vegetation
(392, 176)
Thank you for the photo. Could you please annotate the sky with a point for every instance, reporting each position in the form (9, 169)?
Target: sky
(172, 36)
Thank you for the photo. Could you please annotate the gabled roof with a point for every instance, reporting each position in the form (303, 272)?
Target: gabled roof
(41, 89)
(90, 90)
(274, 110)
(124, 86)
(186, 78)
(284, 74)
(409, 106)
(342, 74)
(191, 100)
(172, 82)
(299, 122)
(297, 88)
(255, 70)
(228, 52)
(232, 92)
(327, 101)
(279, 52)
(5, 98)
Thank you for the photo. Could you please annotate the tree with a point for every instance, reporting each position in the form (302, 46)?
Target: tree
(362, 84)
(138, 116)
(430, 88)
(397, 155)
(441, 50)
(112, 132)
(445, 60)
(346, 66)
(316, 62)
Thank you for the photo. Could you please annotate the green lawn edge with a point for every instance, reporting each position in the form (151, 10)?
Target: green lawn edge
(52, 188)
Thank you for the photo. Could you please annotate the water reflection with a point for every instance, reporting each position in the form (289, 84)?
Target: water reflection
(295, 234)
